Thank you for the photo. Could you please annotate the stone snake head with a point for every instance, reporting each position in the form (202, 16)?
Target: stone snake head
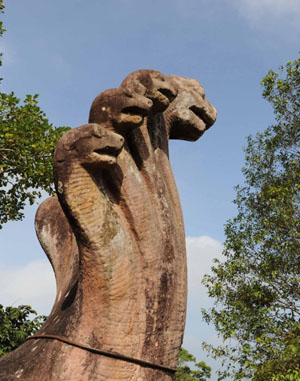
(190, 114)
(119, 109)
(153, 85)
(90, 144)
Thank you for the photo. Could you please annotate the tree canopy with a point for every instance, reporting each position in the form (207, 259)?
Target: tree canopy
(15, 325)
(185, 364)
(27, 143)
(257, 289)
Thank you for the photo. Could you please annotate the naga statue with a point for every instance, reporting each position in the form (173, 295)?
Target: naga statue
(115, 238)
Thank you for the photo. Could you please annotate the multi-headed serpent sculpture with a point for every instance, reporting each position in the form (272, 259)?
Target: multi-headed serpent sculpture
(115, 238)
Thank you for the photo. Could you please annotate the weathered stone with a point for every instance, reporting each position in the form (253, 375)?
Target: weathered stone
(115, 236)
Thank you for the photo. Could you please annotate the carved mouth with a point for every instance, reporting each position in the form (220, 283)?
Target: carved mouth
(134, 110)
(161, 99)
(110, 151)
(201, 114)
(167, 93)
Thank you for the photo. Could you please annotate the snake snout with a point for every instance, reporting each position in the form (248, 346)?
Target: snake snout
(206, 112)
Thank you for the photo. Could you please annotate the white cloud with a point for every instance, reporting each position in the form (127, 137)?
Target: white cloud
(200, 252)
(32, 284)
(274, 7)
(258, 10)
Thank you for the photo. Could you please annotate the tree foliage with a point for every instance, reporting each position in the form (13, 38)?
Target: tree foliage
(257, 289)
(286, 365)
(184, 371)
(27, 142)
(16, 325)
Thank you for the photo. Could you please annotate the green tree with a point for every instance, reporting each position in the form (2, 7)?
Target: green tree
(185, 373)
(286, 365)
(256, 289)
(27, 143)
(16, 325)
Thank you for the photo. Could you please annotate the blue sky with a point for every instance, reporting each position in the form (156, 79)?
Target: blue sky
(69, 51)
